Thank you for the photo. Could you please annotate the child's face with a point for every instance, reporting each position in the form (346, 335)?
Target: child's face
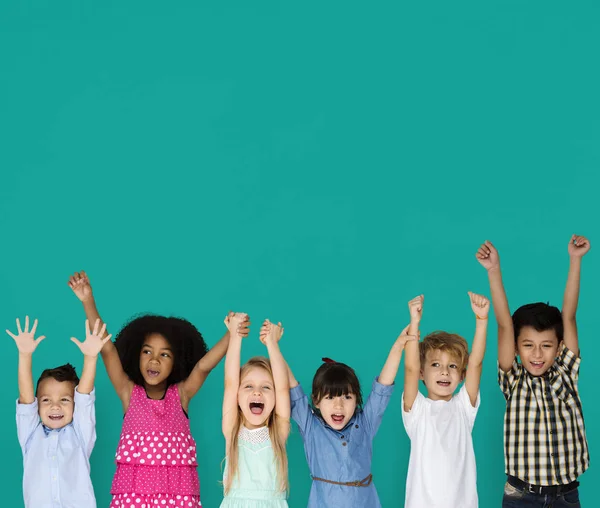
(337, 411)
(56, 402)
(537, 349)
(256, 397)
(441, 374)
(156, 360)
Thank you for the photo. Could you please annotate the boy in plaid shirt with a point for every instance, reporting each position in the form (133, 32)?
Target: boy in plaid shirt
(545, 447)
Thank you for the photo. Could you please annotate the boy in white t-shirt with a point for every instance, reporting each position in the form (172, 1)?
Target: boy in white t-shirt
(441, 469)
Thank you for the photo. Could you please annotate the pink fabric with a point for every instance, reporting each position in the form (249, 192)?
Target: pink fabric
(156, 456)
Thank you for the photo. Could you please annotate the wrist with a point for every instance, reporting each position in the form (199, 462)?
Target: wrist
(25, 356)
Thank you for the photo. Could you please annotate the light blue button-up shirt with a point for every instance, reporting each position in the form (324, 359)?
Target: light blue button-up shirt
(56, 463)
(341, 456)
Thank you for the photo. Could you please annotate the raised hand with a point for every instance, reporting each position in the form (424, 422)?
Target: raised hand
(415, 307)
(404, 337)
(237, 323)
(480, 305)
(94, 342)
(25, 339)
(270, 332)
(487, 255)
(80, 284)
(578, 246)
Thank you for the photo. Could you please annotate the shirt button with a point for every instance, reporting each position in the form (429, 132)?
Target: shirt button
(356, 426)
(341, 437)
(344, 443)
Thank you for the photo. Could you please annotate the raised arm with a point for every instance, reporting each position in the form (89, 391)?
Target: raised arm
(90, 348)
(80, 284)
(578, 247)
(390, 368)
(270, 334)
(412, 357)
(481, 307)
(232, 374)
(487, 255)
(190, 386)
(26, 344)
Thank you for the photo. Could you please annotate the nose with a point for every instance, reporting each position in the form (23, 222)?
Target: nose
(338, 402)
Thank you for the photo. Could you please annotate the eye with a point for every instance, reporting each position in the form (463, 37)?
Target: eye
(328, 397)
(435, 364)
(547, 346)
(65, 400)
(266, 387)
(453, 366)
(349, 397)
(166, 355)
(146, 352)
(248, 386)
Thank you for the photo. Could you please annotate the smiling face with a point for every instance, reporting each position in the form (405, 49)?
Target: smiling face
(156, 362)
(256, 396)
(337, 411)
(441, 373)
(56, 402)
(537, 349)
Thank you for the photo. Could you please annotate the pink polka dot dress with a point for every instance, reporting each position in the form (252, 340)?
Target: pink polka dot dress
(156, 456)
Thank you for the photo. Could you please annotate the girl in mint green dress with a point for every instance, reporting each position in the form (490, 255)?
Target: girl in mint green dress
(256, 422)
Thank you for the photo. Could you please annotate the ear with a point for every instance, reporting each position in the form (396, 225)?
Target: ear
(421, 375)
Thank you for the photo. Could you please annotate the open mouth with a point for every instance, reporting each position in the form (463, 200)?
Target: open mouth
(152, 373)
(537, 365)
(256, 408)
(337, 418)
(55, 418)
(444, 384)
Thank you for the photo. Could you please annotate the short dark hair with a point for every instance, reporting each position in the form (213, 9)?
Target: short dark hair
(335, 379)
(539, 316)
(63, 373)
(186, 342)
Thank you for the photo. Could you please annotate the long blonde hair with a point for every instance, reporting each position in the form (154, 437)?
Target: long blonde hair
(277, 440)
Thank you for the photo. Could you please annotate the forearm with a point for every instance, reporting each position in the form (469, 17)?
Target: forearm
(571, 296)
(390, 368)
(232, 362)
(479, 343)
(211, 359)
(88, 375)
(26, 393)
(278, 366)
(501, 309)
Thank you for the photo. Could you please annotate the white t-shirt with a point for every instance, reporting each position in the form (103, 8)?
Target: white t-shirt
(441, 469)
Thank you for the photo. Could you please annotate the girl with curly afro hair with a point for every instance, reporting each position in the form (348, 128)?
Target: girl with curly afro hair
(156, 365)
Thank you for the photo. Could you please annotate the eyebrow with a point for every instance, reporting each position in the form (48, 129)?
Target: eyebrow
(152, 347)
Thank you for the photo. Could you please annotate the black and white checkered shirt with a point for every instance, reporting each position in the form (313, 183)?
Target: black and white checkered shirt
(544, 433)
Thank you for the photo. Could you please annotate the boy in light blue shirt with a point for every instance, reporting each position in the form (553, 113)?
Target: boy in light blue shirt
(56, 428)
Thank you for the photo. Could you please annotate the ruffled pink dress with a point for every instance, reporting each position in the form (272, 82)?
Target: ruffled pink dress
(156, 456)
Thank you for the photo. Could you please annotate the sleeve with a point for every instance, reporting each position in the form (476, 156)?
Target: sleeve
(84, 420)
(28, 420)
(569, 362)
(465, 403)
(301, 412)
(376, 405)
(411, 418)
(507, 380)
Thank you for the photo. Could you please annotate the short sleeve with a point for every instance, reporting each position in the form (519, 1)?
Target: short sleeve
(376, 405)
(84, 419)
(568, 361)
(465, 403)
(507, 380)
(411, 418)
(301, 412)
(28, 420)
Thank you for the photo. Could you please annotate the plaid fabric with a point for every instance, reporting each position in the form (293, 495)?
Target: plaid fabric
(544, 432)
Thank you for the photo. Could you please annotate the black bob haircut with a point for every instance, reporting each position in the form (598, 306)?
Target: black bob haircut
(539, 316)
(63, 373)
(186, 342)
(335, 379)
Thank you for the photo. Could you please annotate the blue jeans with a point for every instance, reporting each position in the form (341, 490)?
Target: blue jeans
(516, 498)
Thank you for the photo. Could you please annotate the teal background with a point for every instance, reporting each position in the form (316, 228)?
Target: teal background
(315, 163)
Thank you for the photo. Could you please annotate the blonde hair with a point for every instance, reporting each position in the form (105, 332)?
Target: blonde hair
(450, 343)
(277, 441)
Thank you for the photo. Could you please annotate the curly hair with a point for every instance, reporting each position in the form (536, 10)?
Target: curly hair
(65, 372)
(186, 342)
